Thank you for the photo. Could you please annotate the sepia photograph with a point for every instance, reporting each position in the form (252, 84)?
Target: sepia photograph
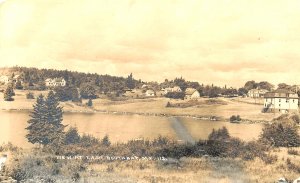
(149, 91)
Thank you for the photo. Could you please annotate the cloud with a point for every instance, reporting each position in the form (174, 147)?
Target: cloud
(207, 41)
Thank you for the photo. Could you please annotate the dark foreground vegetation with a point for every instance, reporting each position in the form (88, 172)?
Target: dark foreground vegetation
(43, 162)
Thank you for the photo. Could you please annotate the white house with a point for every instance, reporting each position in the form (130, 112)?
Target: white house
(191, 93)
(281, 101)
(257, 93)
(174, 89)
(150, 93)
(55, 82)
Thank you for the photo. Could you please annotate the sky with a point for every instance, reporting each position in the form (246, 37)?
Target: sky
(209, 41)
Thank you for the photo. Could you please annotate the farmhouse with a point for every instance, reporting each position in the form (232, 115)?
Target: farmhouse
(281, 100)
(174, 89)
(191, 93)
(55, 82)
(257, 93)
(150, 93)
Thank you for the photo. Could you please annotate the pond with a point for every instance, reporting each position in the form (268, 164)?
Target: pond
(121, 128)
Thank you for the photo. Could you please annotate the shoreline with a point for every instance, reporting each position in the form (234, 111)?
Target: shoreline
(197, 117)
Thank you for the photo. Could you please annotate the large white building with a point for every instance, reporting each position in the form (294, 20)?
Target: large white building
(55, 82)
(257, 93)
(281, 101)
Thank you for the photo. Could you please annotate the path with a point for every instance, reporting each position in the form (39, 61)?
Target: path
(180, 130)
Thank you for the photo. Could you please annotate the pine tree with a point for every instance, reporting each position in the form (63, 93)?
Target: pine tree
(45, 126)
(130, 83)
(54, 119)
(37, 132)
(9, 92)
(90, 103)
(72, 136)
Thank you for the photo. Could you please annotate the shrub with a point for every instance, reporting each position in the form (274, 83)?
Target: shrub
(88, 140)
(9, 93)
(168, 104)
(72, 136)
(234, 118)
(293, 152)
(220, 134)
(29, 95)
(175, 95)
(105, 141)
(293, 167)
(284, 134)
(269, 159)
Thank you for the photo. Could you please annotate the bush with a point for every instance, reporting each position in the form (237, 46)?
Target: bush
(283, 134)
(293, 152)
(175, 95)
(29, 95)
(72, 136)
(293, 167)
(88, 140)
(106, 141)
(220, 134)
(168, 104)
(9, 93)
(234, 118)
(269, 159)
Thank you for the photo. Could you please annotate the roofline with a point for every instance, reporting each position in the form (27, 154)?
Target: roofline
(283, 97)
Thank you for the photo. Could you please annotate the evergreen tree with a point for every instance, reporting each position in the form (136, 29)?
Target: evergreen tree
(130, 83)
(45, 126)
(72, 136)
(37, 132)
(8, 93)
(90, 103)
(54, 119)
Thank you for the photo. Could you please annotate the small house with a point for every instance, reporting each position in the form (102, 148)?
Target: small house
(191, 93)
(174, 89)
(150, 93)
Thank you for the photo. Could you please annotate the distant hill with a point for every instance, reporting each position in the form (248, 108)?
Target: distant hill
(33, 76)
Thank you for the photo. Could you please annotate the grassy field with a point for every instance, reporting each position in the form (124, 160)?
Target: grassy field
(204, 169)
(225, 108)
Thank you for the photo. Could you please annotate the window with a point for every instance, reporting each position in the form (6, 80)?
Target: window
(287, 100)
(279, 105)
(293, 100)
(279, 100)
